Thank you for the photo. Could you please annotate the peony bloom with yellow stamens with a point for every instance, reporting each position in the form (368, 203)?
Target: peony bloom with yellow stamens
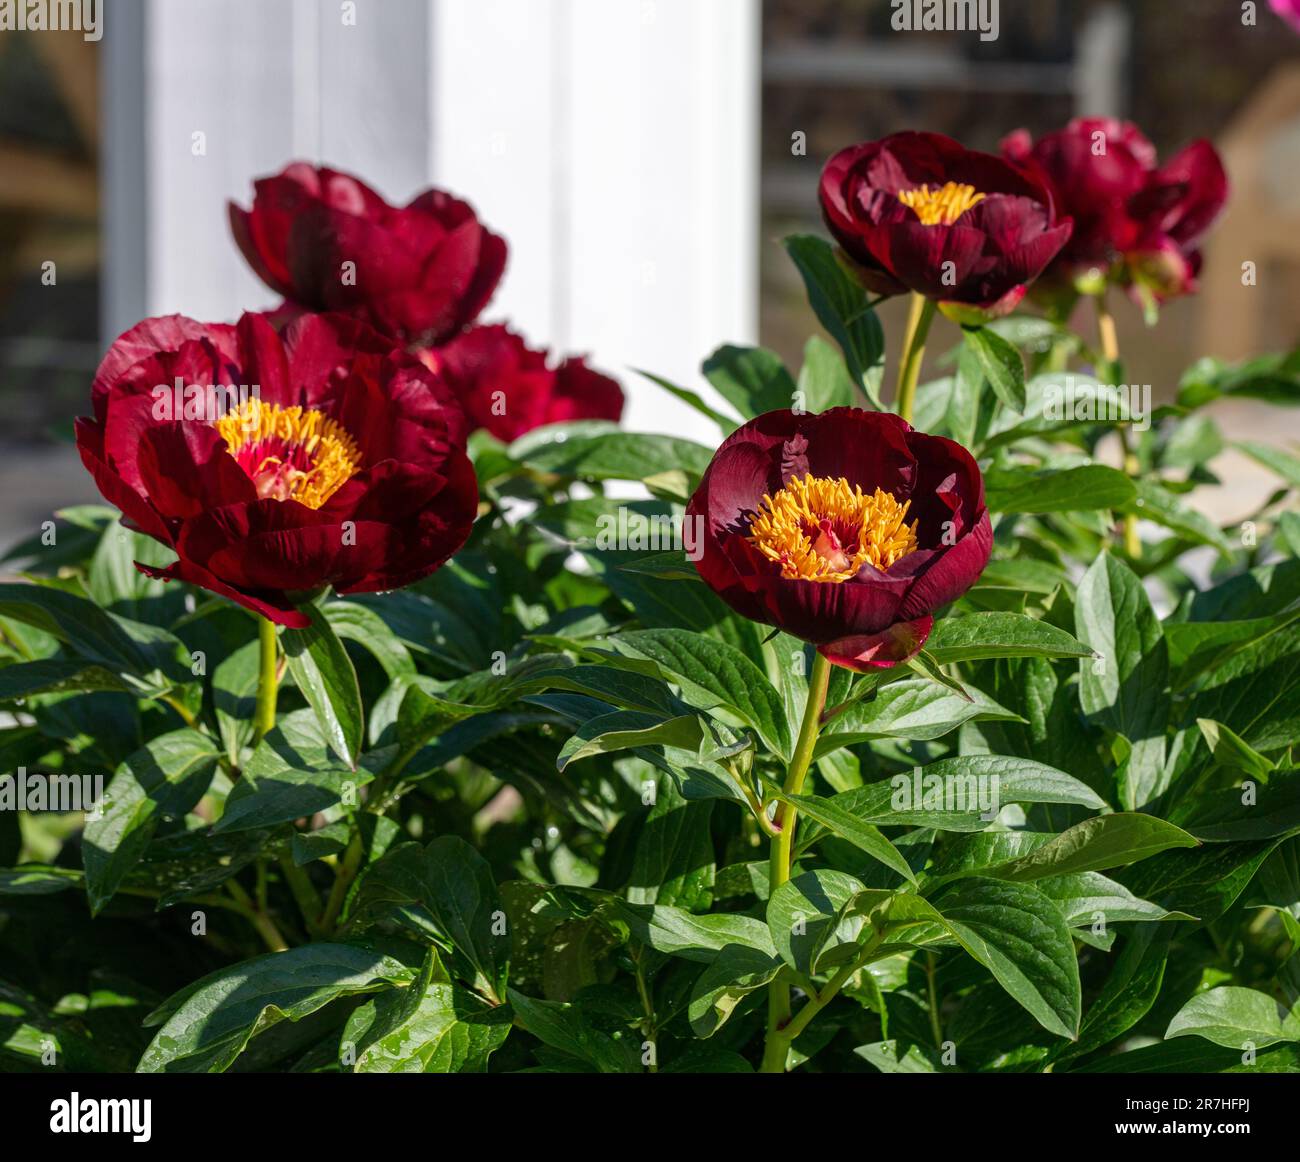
(276, 464)
(919, 212)
(848, 529)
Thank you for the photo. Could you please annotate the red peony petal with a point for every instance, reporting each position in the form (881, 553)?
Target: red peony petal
(410, 503)
(951, 573)
(424, 543)
(186, 469)
(508, 388)
(263, 361)
(978, 259)
(1186, 195)
(821, 610)
(273, 273)
(883, 650)
(271, 546)
(151, 338)
(948, 482)
(137, 510)
(274, 607)
(871, 449)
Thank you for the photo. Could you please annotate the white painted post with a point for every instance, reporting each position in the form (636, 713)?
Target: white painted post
(613, 142)
(1101, 63)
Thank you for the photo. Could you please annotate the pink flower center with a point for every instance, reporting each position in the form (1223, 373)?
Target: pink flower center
(820, 528)
(290, 453)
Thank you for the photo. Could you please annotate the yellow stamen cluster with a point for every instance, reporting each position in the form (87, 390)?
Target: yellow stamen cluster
(941, 206)
(819, 528)
(327, 447)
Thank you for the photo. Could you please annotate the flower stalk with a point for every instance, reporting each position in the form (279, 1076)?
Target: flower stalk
(267, 680)
(1109, 341)
(345, 874)
(259, 916)
(909, 370)
(778, 1000)
(779, 1041)
(303, 893)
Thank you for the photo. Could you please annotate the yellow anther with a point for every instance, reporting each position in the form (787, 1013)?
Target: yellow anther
(821, 528)
(290, 453)
(941, 206)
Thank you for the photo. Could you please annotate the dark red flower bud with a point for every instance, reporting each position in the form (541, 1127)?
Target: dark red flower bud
(1094, 166)
(328, 242)
(275, 464)
(1133, 222)
(848, 529)
(917, 211)
(509, 389)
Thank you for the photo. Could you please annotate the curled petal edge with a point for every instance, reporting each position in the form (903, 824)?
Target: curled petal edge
(890, 647)
(281, 611)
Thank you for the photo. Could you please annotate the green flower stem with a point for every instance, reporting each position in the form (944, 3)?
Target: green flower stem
(1106, 334)
(648, 1023)
(1132, 541)
(784, 820)
(382, 793)
(1109, 340)
(260, 920)
(1058, 357)
(779, 1041)
(347, 872)
(264, 714)
(182, 711)
(909, 370)
(778, 997)
(936, 1028)
(303, 893)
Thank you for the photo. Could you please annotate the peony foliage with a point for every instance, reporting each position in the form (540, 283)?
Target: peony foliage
(445, 725)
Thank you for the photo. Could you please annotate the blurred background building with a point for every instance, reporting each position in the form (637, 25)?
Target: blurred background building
(639, 156)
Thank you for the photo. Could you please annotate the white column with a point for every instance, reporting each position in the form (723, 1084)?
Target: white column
(317, 80)
(496, 101)
(222, 69)
(124, 161)
(613, 142)
(663, 189)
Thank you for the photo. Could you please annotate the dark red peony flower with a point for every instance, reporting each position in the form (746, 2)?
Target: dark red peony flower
(508, 388)
(847, 529)
(274, 464)
(917, 211)
(328, 242)
(1134, 221)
